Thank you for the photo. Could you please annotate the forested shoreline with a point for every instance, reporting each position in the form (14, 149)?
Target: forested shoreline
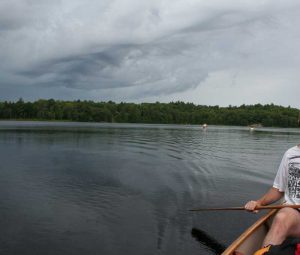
(269, 115)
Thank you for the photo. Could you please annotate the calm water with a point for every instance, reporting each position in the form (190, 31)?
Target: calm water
(78, 188)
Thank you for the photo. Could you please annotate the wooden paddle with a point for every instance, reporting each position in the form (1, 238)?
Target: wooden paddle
(242, 208)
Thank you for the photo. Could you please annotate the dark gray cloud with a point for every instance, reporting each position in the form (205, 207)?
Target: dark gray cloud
(149, 50)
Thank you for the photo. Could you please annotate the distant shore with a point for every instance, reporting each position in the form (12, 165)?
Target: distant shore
(149, 113)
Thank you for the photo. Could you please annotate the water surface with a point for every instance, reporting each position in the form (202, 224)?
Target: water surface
(86, 188)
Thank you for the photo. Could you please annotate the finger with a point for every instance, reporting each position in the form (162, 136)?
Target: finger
(250, 209)
(248, 205)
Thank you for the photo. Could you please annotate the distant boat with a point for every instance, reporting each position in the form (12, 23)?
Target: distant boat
(254, 126)
(204, 126)
(258, 125)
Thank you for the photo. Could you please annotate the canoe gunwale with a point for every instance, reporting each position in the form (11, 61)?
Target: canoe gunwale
(242, 238)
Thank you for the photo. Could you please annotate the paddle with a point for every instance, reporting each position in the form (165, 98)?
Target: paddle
(242, 208)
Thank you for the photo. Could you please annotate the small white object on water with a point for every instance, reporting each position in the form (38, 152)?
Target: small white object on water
(204, 125)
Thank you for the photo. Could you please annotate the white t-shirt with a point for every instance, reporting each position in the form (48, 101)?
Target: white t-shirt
(287, 179)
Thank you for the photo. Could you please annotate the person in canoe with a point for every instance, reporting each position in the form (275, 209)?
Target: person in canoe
(286, 222)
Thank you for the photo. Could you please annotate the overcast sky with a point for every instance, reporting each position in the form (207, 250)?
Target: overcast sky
(216, 52)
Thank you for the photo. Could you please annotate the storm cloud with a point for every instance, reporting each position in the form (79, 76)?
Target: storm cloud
(207, 52)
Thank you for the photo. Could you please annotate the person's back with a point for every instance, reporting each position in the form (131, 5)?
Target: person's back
(288, 176)
(286, 222)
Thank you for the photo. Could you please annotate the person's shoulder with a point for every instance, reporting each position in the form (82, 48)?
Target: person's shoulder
(295, 150)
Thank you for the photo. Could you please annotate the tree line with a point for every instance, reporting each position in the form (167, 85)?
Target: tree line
(169, 113)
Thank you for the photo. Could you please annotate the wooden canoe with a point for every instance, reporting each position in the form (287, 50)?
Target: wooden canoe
(251, 240)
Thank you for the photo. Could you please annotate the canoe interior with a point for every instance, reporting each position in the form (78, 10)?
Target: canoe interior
(254, 241)
(251, 240)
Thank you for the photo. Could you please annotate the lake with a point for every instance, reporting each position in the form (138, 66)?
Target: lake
(90, 188)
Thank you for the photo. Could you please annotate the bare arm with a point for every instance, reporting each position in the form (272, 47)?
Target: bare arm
(270, 197)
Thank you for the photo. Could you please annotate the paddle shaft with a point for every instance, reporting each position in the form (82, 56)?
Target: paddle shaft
(242, 208)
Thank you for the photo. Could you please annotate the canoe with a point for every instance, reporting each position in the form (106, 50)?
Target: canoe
(251, 240)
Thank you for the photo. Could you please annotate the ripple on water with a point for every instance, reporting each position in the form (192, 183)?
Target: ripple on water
(111, 189)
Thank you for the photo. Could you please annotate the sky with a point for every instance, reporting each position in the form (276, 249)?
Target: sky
(216, 52)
